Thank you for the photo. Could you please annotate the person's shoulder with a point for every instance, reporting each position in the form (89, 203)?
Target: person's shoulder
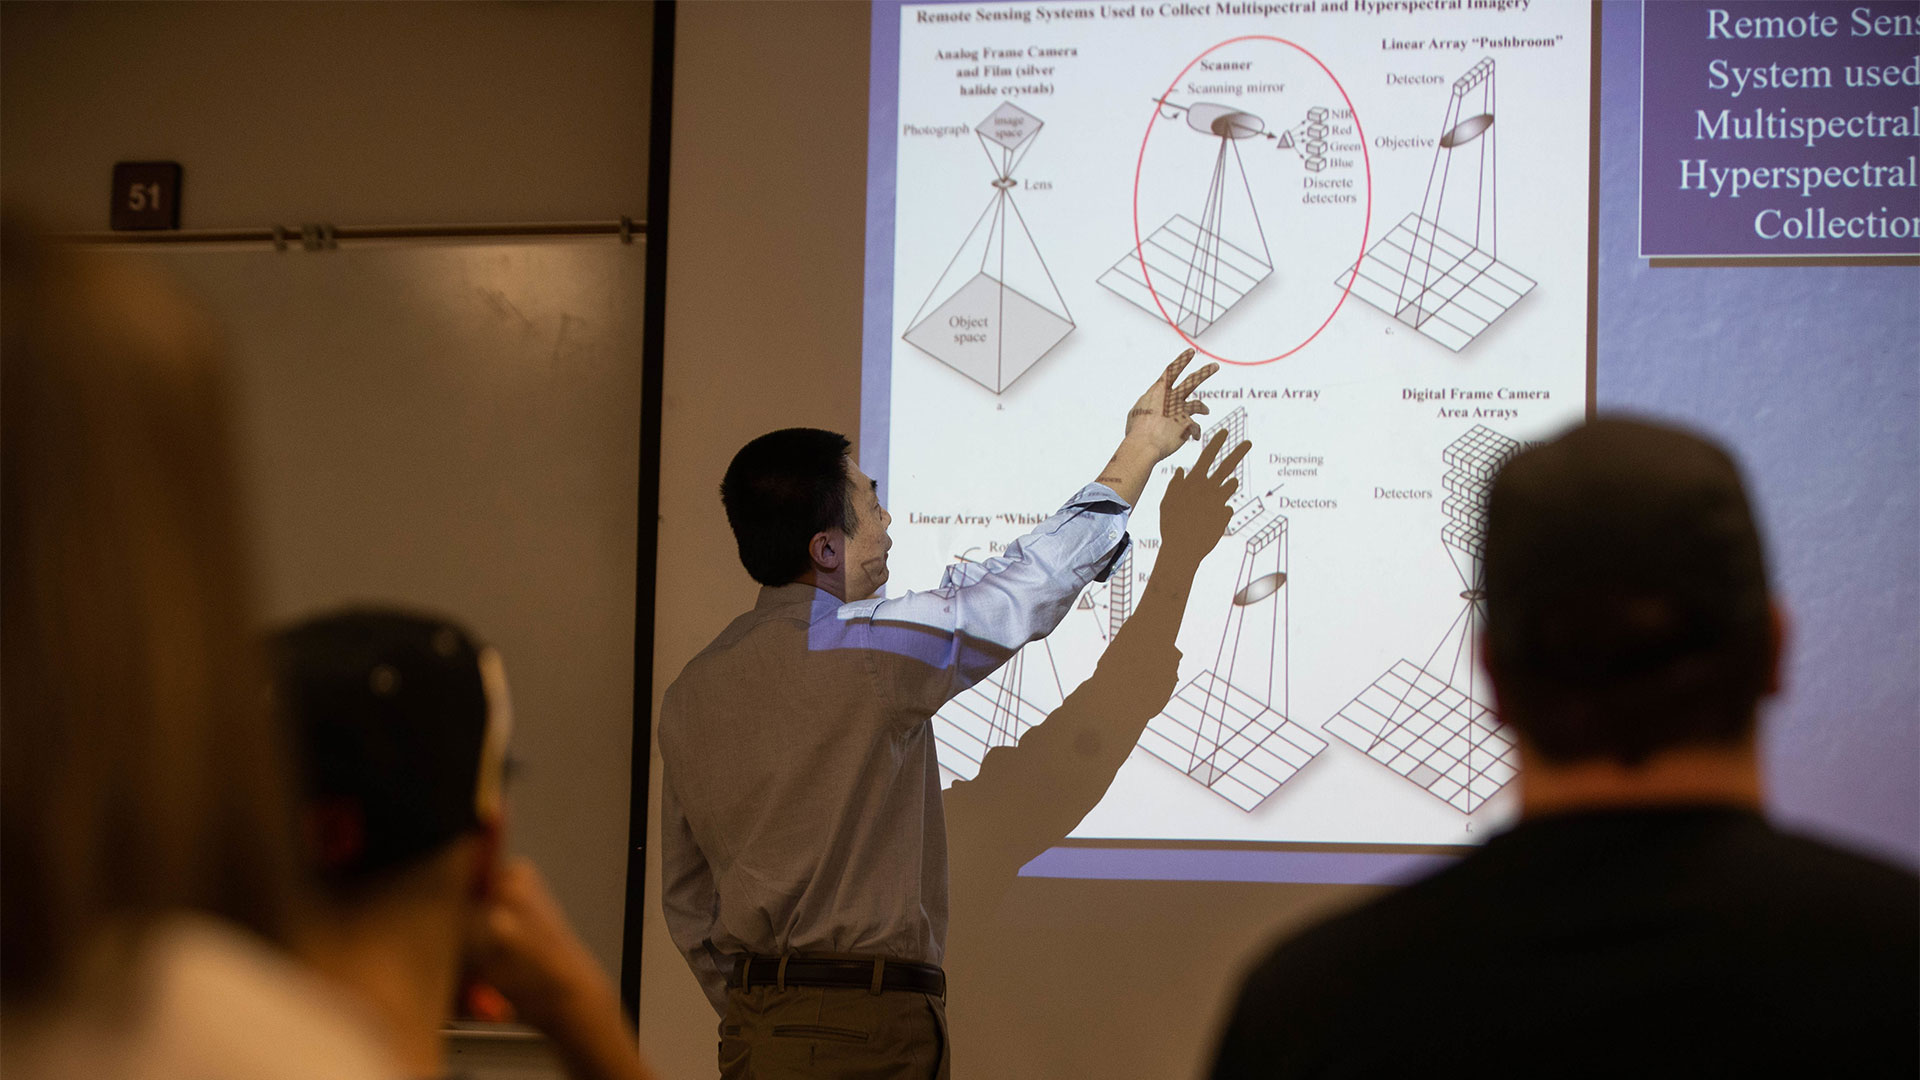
(707, 665)
(1305, 994)
(1834, 858)
(1821, 873)
(746, 649)
(201, 998)
(1384, 930)
(227, 1005)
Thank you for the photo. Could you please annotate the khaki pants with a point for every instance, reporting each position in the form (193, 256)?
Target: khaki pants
(833, 1032)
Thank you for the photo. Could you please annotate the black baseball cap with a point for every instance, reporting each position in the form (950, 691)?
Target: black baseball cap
(399, 721)
(1624, 568)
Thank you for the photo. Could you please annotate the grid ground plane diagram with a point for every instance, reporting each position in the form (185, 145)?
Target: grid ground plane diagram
(993, 712)
(1198, 273)
(1422, 728)
(1252, 751)
(1435, 282)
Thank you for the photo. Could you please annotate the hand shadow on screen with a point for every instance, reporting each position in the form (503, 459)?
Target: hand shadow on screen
(1026, 798)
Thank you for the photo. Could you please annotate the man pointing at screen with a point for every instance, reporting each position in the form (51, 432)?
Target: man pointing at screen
(802, 836)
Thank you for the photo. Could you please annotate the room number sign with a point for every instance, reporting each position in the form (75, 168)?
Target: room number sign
(146, 195)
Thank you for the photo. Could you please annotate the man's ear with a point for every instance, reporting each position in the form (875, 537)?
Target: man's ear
(826, 549)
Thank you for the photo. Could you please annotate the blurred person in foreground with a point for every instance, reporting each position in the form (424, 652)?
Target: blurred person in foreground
(803, 840)
(1643, 918)
(402, 724)
(149, 867)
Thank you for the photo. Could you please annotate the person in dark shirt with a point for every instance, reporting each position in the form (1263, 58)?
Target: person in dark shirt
(402, 722)
(1643, 918)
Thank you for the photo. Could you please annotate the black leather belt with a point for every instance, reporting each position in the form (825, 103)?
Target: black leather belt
(873, 973)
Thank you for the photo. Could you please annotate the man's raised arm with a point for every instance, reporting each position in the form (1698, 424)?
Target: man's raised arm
(983, 612)
(1158, 424)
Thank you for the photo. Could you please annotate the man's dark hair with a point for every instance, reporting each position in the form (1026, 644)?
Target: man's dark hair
(388, 712)
(780, 490)
(1627, 601)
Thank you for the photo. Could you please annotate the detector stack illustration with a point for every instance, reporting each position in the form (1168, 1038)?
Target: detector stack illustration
(1120, 593)
(1438, 270)
(1193, 269)
(995, 310)
(1431, 722)
(1245, 504)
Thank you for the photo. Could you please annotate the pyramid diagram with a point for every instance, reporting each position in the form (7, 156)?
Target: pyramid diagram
(995, 310)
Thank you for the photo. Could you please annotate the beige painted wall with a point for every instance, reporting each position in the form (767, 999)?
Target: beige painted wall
(347, 113)
(454, 426)
(1067, 979)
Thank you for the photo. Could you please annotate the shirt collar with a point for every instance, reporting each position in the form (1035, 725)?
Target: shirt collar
(793, 593)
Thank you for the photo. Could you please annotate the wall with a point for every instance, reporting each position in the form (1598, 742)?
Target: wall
(448, 425)
(353, 114)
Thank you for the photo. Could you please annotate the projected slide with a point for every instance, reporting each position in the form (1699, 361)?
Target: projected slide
(1375, 217)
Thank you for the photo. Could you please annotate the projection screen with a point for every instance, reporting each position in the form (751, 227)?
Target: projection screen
(1379, 229)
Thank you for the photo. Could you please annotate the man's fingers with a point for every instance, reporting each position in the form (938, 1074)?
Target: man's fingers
(1179, 475)
(1191, 382)
(1192, 432)
(1232, 461)
(1231, 486)
(1174, 369)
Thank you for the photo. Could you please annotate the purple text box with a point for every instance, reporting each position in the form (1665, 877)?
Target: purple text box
(1789, 130)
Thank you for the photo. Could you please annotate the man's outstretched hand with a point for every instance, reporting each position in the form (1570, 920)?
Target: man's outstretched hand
(1163, 418)
(1194, 513)
(1157, 425)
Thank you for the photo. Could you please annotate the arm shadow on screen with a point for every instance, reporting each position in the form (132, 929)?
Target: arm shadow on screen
(1028, 797)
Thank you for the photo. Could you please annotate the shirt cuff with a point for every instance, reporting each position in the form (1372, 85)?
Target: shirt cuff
(1096, 494)
(1099, 496)
(1113, 560)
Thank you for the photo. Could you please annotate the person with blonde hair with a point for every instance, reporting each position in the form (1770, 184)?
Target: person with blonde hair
(149, 862)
